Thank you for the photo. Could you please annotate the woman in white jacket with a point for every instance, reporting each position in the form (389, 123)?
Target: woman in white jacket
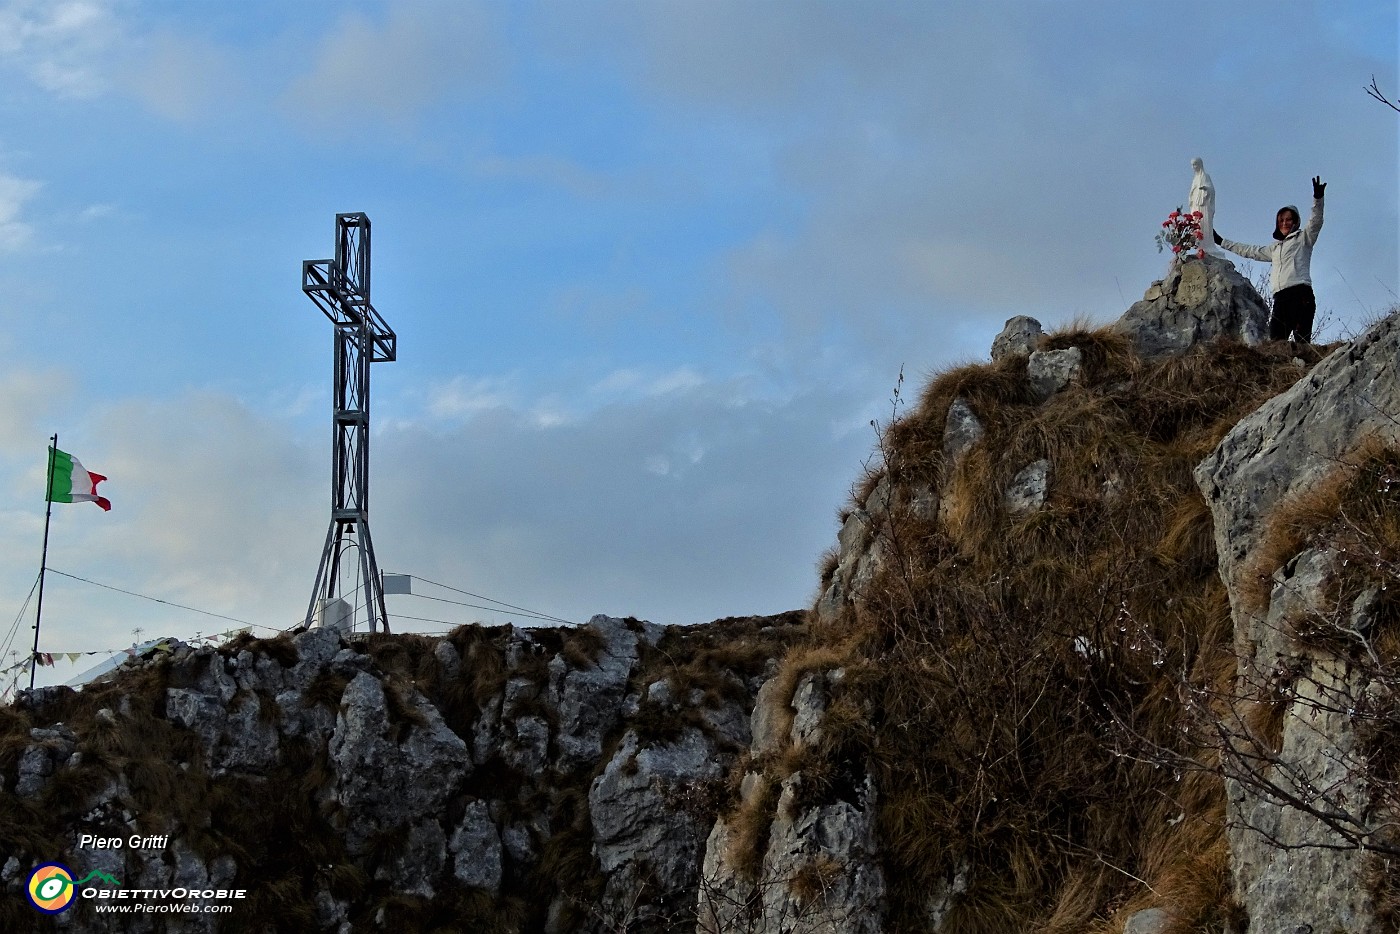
(1291, 276)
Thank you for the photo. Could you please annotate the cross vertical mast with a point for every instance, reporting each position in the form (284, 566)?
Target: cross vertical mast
(340, 288)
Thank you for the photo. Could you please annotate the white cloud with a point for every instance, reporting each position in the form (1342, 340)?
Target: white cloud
(97, 212)
(657, 464)
(213, 506)
(60, 45)
(463, 397)
(949, 165)
(14, 194)
(680, 506)
(28, 399)
(640, 382)
(391, 69)
(183, 77)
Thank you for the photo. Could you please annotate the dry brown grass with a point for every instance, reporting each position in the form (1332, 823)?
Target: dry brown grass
(800, 661)
(812, 883)
(1352, 509)
(1007, 661)
(1185, 861)
(749, 826)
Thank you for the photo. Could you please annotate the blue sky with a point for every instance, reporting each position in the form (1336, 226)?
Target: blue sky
(654, 266)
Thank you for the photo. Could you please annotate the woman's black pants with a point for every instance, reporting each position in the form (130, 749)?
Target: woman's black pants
(1294, 308)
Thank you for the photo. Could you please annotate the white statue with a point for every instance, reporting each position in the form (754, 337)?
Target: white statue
(1202, 198)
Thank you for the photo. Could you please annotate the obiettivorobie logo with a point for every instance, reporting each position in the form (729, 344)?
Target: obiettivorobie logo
(52, 888)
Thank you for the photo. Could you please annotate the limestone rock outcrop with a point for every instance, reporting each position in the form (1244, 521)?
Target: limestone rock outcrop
(1020, 337)
(860, 549)
(1050, 371)
(818, 866)
(1298, 436)
(398, 774)
(1199, 300)
(1280, 451)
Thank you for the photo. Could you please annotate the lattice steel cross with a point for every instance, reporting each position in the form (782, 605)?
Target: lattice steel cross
(340, 288)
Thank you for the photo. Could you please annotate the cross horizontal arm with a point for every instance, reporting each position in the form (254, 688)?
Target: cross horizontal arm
(325, 284)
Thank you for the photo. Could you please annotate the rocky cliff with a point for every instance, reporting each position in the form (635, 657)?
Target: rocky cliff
(1105, 644)
(1092, 652)
(494, 780)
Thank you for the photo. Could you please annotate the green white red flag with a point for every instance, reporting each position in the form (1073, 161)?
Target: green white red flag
(71, 482)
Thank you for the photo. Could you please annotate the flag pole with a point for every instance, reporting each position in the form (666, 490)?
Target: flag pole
(43, 561)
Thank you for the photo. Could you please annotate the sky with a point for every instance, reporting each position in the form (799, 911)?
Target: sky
(654, 267)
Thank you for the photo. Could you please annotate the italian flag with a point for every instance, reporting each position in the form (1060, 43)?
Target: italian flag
(71, 482)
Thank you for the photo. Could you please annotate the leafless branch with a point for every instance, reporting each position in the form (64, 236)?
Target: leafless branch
(1375, 91)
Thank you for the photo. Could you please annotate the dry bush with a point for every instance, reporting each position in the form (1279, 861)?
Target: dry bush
(1355, 514)
(1237, 713)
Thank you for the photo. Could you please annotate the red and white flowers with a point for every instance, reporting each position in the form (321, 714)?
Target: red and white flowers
(1182, 232)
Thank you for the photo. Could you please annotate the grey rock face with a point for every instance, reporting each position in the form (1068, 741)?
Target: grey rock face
(213, 678)
(820, 870)
(316, 648)
(1283, 448)
(448, 660)
(518, 844)
(302, 718)
(529, 751)
(191, 871)
(724, 892)
(397, 777)
(1198, 301)
(1289, 868)
(199, 713)
(944, 897)
(1295, 438)
(860, 550)
(330, 911)
(590, 700)
(234, 734)
(1021, 335)
(50, 750)
(418, 861)
(727, 724)
(1148, 921)
(38, 698)
(638, 835)
(476, 849)
(35, 767)
(1050, 371)
(767, 715)
(831, 849)
(961, 431)
(1028, 489)
(382, 784)
(809, 702)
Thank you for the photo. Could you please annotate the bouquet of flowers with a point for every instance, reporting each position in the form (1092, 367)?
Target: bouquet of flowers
(1182, 232)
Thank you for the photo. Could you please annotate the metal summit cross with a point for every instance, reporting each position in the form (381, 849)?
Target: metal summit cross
(340, 288)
